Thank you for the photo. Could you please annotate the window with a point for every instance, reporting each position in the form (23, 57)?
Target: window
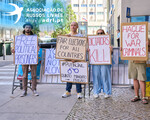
(91, 13)
(91, 5)
(100, 13)
(0, 14)
(83, 13)
(83, 5)
(75, 5)
(138, 19)
(99, 5)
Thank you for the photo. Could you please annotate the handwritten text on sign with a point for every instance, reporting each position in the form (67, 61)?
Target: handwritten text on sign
(26, 49)
(71, 48)
(73, 72)
(134, 41)
(99, 49)
(51, 64)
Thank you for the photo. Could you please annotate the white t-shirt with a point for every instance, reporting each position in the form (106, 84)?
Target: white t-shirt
(78, 35)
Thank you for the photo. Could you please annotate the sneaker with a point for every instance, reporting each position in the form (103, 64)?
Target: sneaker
(66, 94)
(101, 94)
(79, 95)
(95, 96)
(35, 93)
(106, 96)
(24, 93)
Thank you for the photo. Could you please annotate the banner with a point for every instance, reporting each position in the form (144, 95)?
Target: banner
(100, 52)
(26, 50)
(20, 72)
(71, 48)
(133, 41)
(74, 72)
(148, 82)
(51, 64)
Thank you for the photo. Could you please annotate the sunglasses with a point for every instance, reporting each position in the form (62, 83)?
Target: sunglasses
(100, 33)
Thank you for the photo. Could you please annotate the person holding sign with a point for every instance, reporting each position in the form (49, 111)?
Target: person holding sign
(73, 29)
(101, 76)
(28, 31)
(134, 48)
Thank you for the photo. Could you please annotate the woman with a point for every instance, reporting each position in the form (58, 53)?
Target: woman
(101, 76)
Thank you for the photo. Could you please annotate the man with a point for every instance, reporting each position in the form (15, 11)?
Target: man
(73, 29)
(28, 31)
(137, 72)
(118, 37)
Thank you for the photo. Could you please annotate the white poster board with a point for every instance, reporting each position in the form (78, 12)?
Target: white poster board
(74, 72)
(71, 48)
(26, 50)
(51, 63)
(133, 41)
(100, 52)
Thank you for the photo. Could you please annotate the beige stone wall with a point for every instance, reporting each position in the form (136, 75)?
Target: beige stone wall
(138, 8)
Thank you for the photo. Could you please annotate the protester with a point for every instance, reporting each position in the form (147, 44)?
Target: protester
(73, 29)
(101, 76)
(28, 31)
(118, 37)
(137, 72)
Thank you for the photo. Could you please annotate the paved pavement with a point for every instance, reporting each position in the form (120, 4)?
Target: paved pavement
(8, 60)
(50, 106)
(118, 107)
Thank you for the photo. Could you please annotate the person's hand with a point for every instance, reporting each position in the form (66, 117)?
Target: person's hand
(120, 48)
(73, 61)
(13, 50)
(88, 50)
(68, 35)
(111, 48)
(38, 48)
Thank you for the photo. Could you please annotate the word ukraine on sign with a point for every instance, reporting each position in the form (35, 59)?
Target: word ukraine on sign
(71, 48)
(26, 49)
(51, 64)
(99, 49)
(74, 72)
(134, 37)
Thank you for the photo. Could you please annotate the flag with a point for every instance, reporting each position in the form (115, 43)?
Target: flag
(83, 18)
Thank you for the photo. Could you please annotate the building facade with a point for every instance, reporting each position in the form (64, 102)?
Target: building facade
(91, 13)
(7, 26)
(139, 12)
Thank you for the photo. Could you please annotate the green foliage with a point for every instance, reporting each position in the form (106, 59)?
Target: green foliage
(35, 20)
(69, 16)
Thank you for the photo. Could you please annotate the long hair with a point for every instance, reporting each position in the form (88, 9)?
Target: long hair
(31, 33)
(101, 30)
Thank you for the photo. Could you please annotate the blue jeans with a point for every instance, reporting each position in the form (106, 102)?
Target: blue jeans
(78, 87)
(101, 78)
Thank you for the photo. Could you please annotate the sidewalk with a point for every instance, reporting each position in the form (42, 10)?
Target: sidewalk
(8, 60)
(118, 107)
(48, 106)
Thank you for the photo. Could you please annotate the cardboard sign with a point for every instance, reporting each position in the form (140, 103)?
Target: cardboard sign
(74, 72)
(26, 49)
(51, 64)
(100, 52)
(71, 48)
(133, 41)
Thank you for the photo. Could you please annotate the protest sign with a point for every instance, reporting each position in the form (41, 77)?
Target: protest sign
(133, 41)
(26, 49)
(51, 64)
(74, 72)
(71, 48)
(100, 52)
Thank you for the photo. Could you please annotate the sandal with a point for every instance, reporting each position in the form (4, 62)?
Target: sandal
(144, 101)
(135, 99)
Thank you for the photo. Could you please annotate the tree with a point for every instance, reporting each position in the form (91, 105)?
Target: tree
(64, 28)
(27, 12)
